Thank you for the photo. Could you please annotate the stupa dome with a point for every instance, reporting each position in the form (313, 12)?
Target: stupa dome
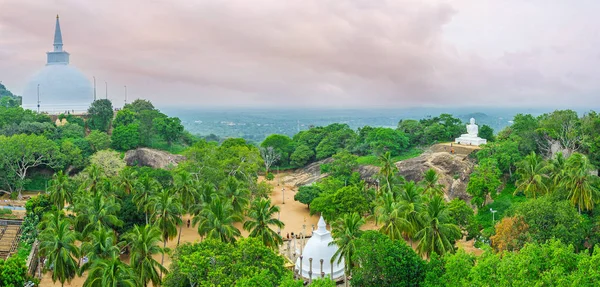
(318, 248)
(60, 86)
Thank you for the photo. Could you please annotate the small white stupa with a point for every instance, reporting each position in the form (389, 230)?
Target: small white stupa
(318, 248)
(471, 138)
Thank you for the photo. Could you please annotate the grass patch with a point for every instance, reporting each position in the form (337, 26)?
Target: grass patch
(373, 160)
(503, 202)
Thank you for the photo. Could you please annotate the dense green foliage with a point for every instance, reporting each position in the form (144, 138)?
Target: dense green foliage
(544, 231)
(215, 263)
(384, 262)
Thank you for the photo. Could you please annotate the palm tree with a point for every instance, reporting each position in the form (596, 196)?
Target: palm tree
(430, 184)
(93, 179)
(438, 234)
(580, 184)
(101, 244)
(206, 190)
(110, 272)
(216, 220)
(557, 169)
(388, 169)
(57, 244)
(185, 187)
(148, 186)
(167, 209)
(412, 206)
(144, 243)
(60, 189)
(390, 215)
(94, 211)
(533, 176)
(238, 195)
(127, 180)
(260, 218)
(345, 232)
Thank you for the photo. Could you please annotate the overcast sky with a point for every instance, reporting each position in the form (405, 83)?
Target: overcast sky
(317, 53)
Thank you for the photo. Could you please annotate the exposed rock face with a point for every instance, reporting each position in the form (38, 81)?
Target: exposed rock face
(152, 158)
(453, 171)
(307, 175)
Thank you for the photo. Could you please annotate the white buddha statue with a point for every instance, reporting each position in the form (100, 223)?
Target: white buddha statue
(471, 138)
(472, 129)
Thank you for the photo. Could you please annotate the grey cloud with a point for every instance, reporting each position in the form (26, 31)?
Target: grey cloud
(304, 52)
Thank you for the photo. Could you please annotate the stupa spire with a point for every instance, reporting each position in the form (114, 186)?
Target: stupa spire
(58, 56)
(58, 42)
(322, 226)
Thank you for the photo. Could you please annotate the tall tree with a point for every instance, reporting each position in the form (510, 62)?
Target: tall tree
(430, 183)
(533, 174)
(216, 219)
(61, 189)
(412, 206)
(94, 212)
(260, 218)
(100, 244)
(485, 180)
(170, 129)
(57, 243)
(486, 132)
(390, 214)
(100, 114)
(388, 169)
(269, 156)
(20, 153)
(438, 234)
(345, 232)
(167, 210)
(185, 186)
(127, 180)
(237, 194)
(110, 272)
(579, 183)
(148, 188)
(385, 262)
(144, 244)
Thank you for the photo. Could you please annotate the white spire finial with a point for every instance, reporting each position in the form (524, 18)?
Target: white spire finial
(322, 225)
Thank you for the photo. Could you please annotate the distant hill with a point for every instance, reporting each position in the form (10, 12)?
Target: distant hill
(497, 123)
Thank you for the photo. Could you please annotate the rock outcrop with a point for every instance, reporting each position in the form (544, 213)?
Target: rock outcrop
(453, 171)
(308, 174)
(152, 158)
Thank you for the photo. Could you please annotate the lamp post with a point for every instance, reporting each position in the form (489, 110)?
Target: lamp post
(38, 95)
(493, 215)
(106, 89)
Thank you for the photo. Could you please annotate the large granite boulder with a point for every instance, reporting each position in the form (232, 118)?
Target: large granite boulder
(308, 174)
(453, 171)
(152, 158)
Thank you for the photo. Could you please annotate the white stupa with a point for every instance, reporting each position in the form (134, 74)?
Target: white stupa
(60, 86)
(471, 138)
(318, 248)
